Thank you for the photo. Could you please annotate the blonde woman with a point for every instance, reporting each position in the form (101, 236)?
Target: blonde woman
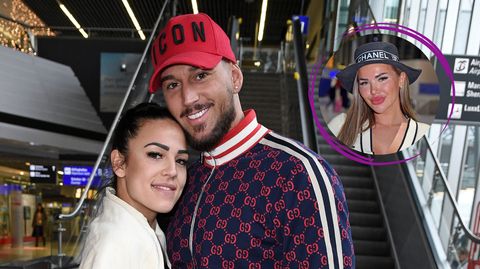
(381, 119)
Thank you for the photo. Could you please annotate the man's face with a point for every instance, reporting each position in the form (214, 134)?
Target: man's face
(202, 101)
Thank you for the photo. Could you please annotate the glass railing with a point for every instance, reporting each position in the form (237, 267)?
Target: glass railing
(262, 60)
(270, 59)
(453, 243)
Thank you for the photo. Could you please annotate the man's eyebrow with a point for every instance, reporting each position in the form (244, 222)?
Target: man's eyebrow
(165, 147)
(167, 77)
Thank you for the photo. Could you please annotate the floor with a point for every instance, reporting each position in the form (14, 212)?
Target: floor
(26, 252)
(29, 251)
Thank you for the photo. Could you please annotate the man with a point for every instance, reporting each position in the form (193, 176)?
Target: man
(255, 199)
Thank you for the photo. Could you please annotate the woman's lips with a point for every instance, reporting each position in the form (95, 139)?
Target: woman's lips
(164, 187)
(377, 100)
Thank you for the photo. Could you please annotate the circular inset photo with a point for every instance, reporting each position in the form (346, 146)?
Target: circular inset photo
(383, 96)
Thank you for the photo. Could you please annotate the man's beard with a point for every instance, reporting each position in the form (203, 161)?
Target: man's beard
(221, 128)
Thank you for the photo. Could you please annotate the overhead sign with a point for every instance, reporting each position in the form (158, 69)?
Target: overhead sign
(43, 174)
(79, 175)
(466, 75)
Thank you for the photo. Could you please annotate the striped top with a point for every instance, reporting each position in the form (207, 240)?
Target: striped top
(364, 141)
(260, 200)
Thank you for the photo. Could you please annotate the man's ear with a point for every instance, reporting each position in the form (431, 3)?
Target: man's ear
(118, 163)
(237, 78)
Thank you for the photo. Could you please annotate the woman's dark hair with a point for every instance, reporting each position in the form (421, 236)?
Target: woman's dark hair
(129, 124)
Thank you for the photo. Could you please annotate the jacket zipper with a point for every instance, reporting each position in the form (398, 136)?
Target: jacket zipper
(194, 216)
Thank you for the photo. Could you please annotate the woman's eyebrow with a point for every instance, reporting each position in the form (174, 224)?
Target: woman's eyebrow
(376, 76)
(183, 151)
(381, 74)
(165, 147)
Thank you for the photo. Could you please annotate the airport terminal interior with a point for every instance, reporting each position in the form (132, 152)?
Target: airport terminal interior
(69, 69)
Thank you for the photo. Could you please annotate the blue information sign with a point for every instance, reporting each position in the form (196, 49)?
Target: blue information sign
(78, 175)
(303, 23)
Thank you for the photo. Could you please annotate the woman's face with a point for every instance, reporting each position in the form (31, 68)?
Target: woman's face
(379, 86)
(154, 173)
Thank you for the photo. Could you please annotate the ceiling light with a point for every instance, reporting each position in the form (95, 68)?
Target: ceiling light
(194, 6)
(134, 19)
(263, 15)
(73, 20)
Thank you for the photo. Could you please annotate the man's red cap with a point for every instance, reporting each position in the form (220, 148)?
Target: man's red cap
(192, 39)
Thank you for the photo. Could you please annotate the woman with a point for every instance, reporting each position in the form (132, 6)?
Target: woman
(381, 119)
(38, 222)
(149, 157)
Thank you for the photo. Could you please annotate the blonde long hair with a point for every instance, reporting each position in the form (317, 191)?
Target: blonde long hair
(360, 112)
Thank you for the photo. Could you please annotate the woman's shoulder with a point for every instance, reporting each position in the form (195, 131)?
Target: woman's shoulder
(115, 232)
(114, 216)
(112, 247)
(117, 238)
(336, 123)
(422, 127)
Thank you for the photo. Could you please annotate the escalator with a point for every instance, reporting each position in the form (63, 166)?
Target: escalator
(370, 236)
(370, 240)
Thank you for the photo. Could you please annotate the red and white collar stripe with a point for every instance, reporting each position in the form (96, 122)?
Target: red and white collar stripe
(238, 140)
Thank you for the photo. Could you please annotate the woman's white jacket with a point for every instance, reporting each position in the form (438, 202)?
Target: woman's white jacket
(121, 238)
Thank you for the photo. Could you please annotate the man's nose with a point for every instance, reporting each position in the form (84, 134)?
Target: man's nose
(189, 95)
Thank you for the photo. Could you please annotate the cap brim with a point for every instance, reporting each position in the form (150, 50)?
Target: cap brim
(347, 75)
(202, 60)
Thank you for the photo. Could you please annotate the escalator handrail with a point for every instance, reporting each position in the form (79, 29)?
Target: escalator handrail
(467, 231)
(306, 117)
(384, 215)
(76, 211)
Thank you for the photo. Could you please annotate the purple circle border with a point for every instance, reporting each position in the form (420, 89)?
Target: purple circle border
(333, 142)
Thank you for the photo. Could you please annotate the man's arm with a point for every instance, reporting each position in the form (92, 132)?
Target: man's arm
(315, 222)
